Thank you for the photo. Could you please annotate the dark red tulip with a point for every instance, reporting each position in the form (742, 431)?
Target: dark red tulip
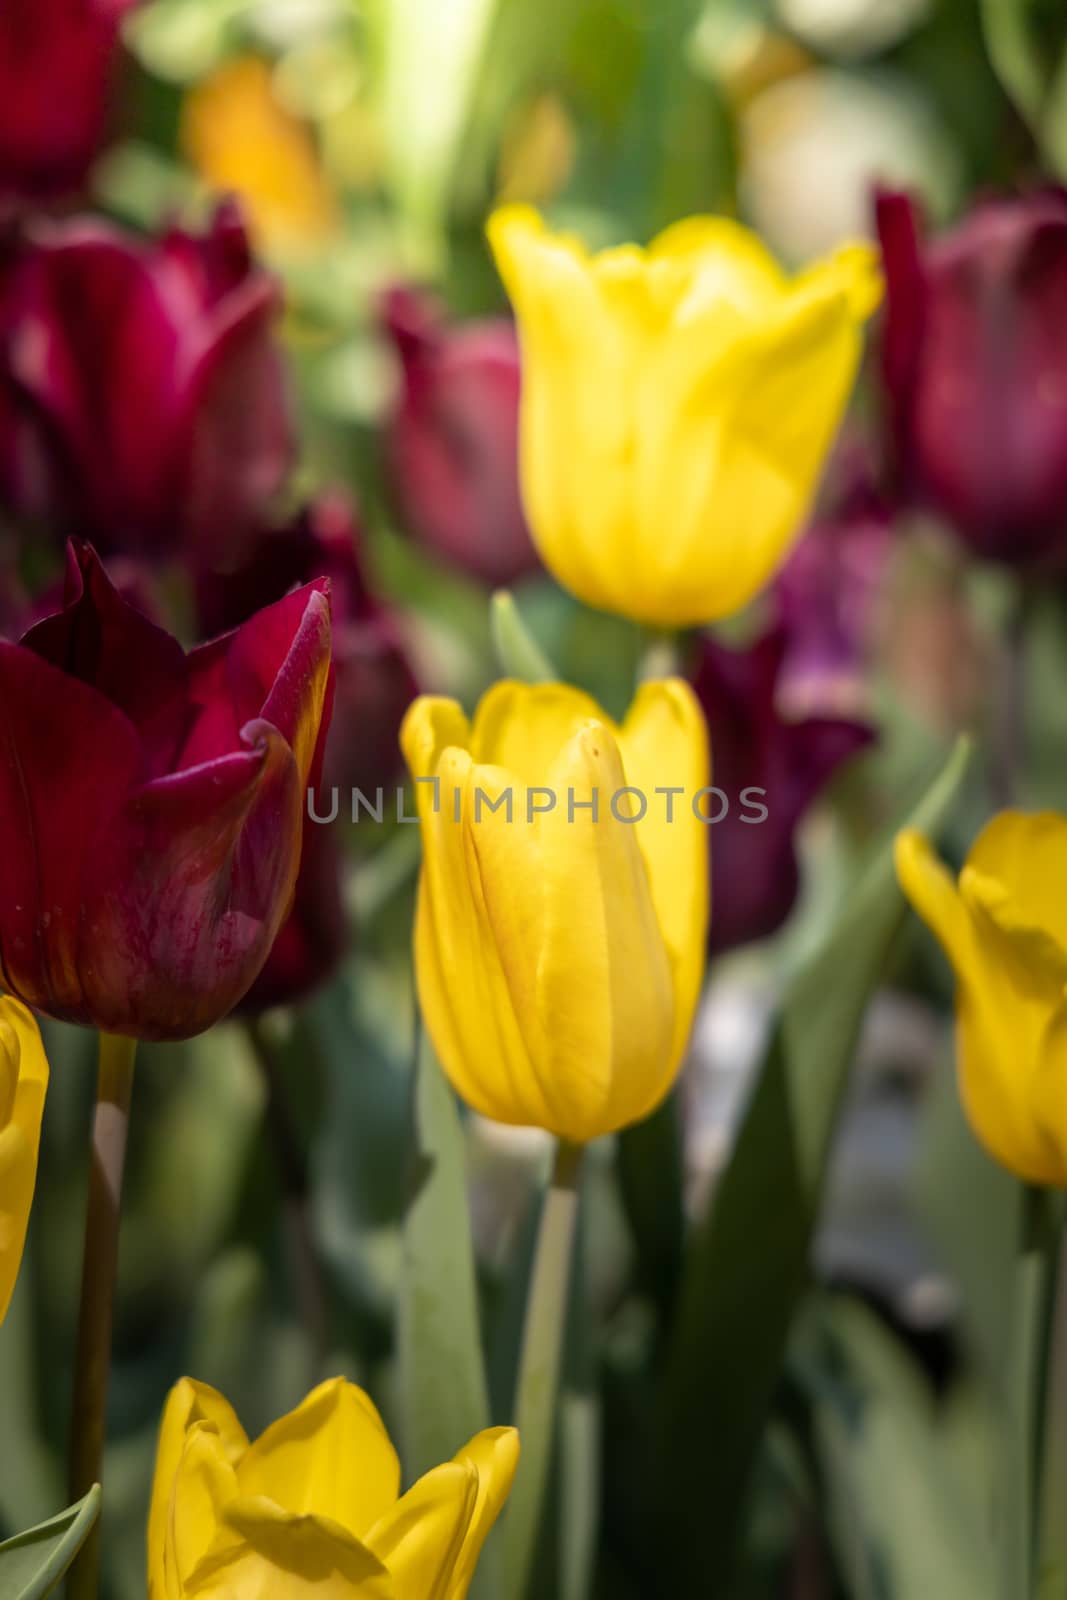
(374, 680)
(56, 70)
(451, 445)
(828, 595)
(975, 362)
(754, 872)
(145, 404)
(151, 804)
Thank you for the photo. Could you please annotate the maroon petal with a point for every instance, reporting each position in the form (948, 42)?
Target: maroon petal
(68, 758)
(186, 896)
(312, 941)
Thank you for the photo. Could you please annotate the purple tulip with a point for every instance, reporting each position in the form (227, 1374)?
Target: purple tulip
(754, 872)
(57, 61)
(451, 445)
(144, 402)
(974, 358)
(151, 804)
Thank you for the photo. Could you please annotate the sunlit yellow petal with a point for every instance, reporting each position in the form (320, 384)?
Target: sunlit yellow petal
(1026, 854)
(330, 1457)
(264, 1553)
(494, 1455)
(421, 1537)
(188, 1404)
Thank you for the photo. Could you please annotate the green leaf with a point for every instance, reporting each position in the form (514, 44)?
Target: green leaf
(1027, 44)
(445, 1396)
(905, 1514)
(518, 652)
(32, 1563)
(748, 1265)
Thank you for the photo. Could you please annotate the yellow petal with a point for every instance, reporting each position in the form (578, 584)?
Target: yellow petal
(23, 1084)
(585, 962)
(264, 1553)
(1050, 1093)
(420, 1539)
(187, 1404)
(330, 1457)
(494, 1455)
(523, 727)
(204, 1484)
(664, 744)
(1027, 855)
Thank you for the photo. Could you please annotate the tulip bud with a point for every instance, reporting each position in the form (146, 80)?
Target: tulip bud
(145, 405)
(23, 1082)
(152, 805)
(1003, 926)
(559, 937)
(769, 770)
(451, 446)
(314, 1503)
(974, 358)
(56, 67)
(678, 404)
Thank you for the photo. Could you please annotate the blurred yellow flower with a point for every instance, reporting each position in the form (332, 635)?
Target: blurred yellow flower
(313, 1507)
(678, 405)
(1004, 928)
(559, 939)
(23, 1083)
(239, 138)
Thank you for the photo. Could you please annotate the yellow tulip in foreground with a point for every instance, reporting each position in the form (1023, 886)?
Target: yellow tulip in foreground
(559, 942)
(678, 405)
(1004, 928)
(23, 1083)
(313, 1508)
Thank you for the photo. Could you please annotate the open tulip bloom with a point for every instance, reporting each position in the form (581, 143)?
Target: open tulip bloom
(559, 949)
(1004, 928)
(678, 405)
(314, 1505)
(151, 805)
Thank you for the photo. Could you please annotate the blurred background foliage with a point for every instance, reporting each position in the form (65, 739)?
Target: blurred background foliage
(856, 1432)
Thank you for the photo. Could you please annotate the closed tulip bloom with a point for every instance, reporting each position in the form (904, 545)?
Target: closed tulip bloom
(678, 404)
(144, 405)
(764, 760)
(23, 1082)
(452, 441)
(1003, 926)
(559, 951)
(313, 1506)
(151, 805)
(56, 70)
(974, 356)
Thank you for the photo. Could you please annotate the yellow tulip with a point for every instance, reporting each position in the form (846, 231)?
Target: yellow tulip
(559, 952)
(1004, 928)
(23, 1083)
(312, 1509)
(238, 137)
(678, 405)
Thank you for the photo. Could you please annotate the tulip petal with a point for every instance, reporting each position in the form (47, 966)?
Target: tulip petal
(67, 760)
(664, 743)
(523, 727)
(23, 1084)
(204, 1484)
(187, 1404)
(265, 1553)
(330, 1457)
(494, 1455)
(1025, 854)
(420, 1539)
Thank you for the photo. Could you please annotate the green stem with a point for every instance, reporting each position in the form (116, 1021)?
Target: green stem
(539, 1364)
(92, 1366)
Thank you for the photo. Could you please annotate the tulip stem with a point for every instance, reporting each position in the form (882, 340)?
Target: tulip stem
(111, 1118)
(305, 1268)
(539, 1364)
